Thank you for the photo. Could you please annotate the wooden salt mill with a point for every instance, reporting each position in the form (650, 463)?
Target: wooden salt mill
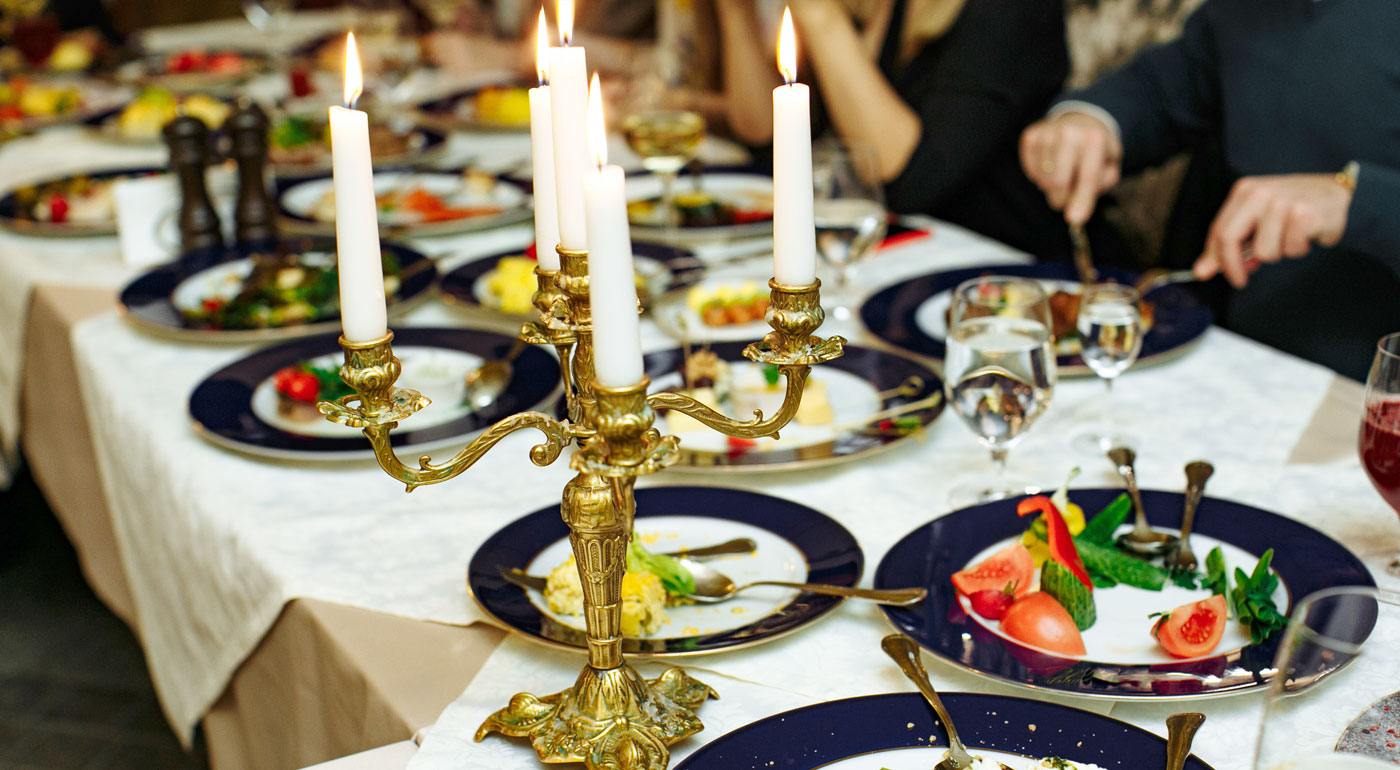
(188, 140)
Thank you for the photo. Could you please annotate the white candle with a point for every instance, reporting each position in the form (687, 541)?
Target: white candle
(794, 233)
(568, 99)
(542, 159)
(612, 288)
(363, 316)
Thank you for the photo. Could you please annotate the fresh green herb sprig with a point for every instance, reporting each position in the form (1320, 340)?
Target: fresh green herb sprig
(1252, 599)
(674, 576)
(1217, 575)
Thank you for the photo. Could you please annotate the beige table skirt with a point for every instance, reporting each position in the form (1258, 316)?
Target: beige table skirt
(327, 680)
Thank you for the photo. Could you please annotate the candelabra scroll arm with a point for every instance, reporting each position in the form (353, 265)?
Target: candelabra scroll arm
(796, 378)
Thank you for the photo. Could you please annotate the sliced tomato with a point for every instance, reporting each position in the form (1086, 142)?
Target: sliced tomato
(1192, 629)
(1012, 564)
(1038, 620)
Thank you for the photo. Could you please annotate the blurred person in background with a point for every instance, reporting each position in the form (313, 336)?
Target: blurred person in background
(939, 90)
(1293, 109)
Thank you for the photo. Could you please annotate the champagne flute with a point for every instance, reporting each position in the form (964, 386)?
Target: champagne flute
(999, 372)
(1380, 427)
(1337, 667)
(1110, 333)
(848, 209)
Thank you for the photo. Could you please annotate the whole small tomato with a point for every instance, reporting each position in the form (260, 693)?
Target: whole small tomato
(304, 387)
(58, 208)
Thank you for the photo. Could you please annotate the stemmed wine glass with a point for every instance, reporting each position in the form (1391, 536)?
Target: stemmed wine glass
(1336, 681)
(659, 127)
(849, 213)
(1380, 426)
(1110, 334)
(999, 371)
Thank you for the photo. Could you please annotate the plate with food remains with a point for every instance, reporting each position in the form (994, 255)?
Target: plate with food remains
(1036, 592)
(252, 293)
(29, 104)
(913, 314)
(718, 204)
(717, 310)
(265, 404)
(499, 107)
(859, 404)
(300, 145)
(141, 120)
(505, 282)
(793, 543)
(73, 206)
(898, 731)
(194, 69)
(418, 203)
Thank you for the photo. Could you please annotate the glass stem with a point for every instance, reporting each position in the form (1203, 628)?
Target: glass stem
(668, 202)
(999, 460)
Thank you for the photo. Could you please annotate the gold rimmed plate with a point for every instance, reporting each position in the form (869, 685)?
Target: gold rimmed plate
(859, 386)
(795, 543)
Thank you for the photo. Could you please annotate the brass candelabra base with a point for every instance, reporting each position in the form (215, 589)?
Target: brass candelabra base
(610, 719)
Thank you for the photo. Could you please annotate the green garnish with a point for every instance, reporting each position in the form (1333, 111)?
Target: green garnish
(1185, 578)
(771, 374)
(1217, 576)
(1100, 529)
(1252, 599)
(293, 132)
(674, 576)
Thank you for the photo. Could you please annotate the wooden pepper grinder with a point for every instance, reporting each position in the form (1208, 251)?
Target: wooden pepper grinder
(255, 218)
(188, 140)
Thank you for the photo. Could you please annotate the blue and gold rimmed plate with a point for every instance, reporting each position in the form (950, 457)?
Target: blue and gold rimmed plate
(721, 203)
(898, 731)
(1122, 659)
(28, 209)
(794, 543)
(913, 314)
(856, 388)
(239, 407)
(660, 269)
(168, 300)
(470, 202)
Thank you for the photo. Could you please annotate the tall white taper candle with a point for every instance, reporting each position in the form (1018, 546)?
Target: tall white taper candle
(363, 315)
(612, 287)
(542, 159)
(794, 232)
(568, 100)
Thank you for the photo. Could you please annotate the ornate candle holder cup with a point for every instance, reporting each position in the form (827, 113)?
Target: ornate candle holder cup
(611, 717)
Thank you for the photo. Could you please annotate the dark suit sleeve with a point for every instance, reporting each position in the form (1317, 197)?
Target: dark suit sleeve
(974, 90)
(1373, 221)
(1166, 98)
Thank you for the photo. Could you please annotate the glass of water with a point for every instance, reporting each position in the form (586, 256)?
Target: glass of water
(1110, 334)
(999, 372)
(849, 211)
(1333, 703)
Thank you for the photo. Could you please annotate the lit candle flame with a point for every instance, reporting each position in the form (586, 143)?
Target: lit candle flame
(787, 49)
(354, 81)
(542, 51)
(566, 21)
(597, 132)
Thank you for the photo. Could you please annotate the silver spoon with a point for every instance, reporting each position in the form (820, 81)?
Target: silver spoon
(906, 654)
(1143, 539)
(713, 586)
(1181, 729)
(486, 383)
(1196, 475)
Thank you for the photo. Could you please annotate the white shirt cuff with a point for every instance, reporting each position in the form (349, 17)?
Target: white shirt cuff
(1090, 109)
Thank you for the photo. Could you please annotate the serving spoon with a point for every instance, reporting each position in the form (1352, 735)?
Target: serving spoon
(906, 654)
(712, 586)
(1181, 730)
(1142, 539)
(487, 382)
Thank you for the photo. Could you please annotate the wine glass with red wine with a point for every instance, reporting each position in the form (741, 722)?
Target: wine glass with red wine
(1380, 426)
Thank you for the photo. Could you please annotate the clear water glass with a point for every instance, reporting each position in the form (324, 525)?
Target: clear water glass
(999, 372)
(1338, 671)
(848, 209)
(1110, 336)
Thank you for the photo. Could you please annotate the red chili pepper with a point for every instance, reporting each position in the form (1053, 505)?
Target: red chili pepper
(741, 443)
(1061, 541)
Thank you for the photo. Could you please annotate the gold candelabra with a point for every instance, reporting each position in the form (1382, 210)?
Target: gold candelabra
(611, 717)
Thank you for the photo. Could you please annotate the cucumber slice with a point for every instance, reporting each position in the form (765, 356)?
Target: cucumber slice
(1114, 564)
(1073, 595)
